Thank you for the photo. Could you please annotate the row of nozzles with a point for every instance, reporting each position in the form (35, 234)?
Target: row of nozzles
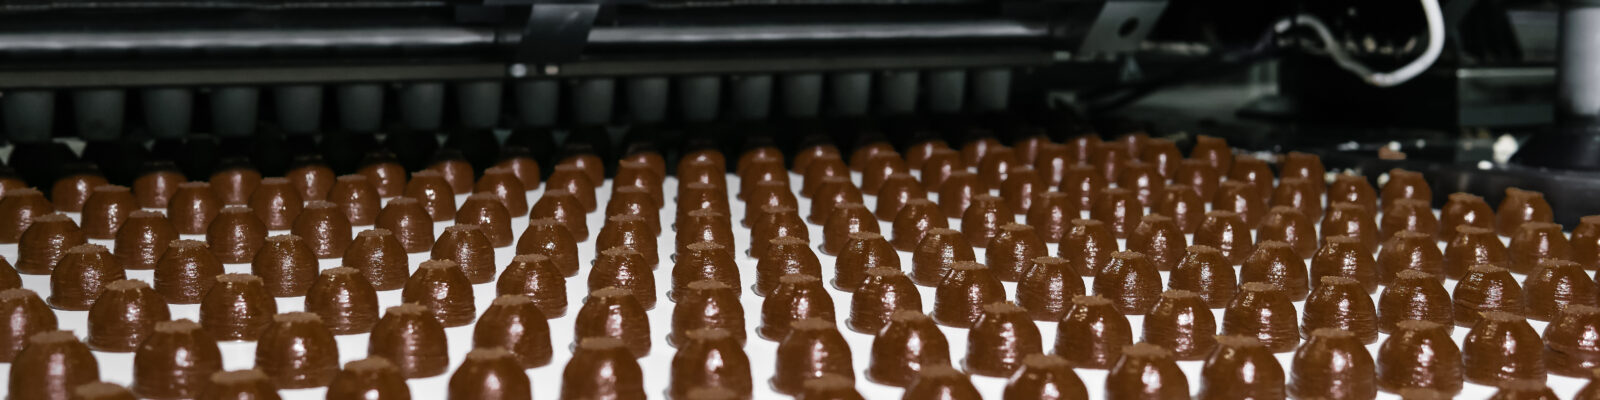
(169, 112)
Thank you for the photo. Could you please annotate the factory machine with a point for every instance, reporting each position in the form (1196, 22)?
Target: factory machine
(1442, 85)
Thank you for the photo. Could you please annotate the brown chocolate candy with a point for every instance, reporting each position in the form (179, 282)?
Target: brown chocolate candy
(143, 239)
(193, 207)
(409, 336)
(1585, 241)
(1409, 250)
(1345, 256)
(27, 315)
(1502, 347)
(1050, 214)
(298, 351)
(504, 185)
(773, 222)
(624, 268)
(516, 324)
(176, 361)
(380, 257)
(602, 368)
(469, 248)
(1341, 303)
(1208, 274)
(942, 382)
(240, 384)
(814, 347)
(884, 291)
(20, 206)
(1465, 209)
(443, 288)
(1146, 371)
(1000, 338)
(124, 316)
(707, 304)
(1420, 354)
(1147, 182)
(1405, 184)
(456, 172)
(1119, 209)
(1241, 367)
(324, 227)
(46, 242)
(1088, 246)
(344, 300)
(1300, 193)
(1047, 287)
(1486, 288)
(155, 187)
(313, 178)
(433, 193)
(1347, 219)
(489, 373)
(237, 307)
(1534, 242)
(862, 250)
(939, 248)
(907, 345)
(614, 312)
(1472, 246)
(286, 265)
(1045, 377)
(1129, 281)
(914, 221)
(960, 298)
(536, 276)
(848, 218)
(1093, 333)
(710, 358)
(1158, 236)
(1408, 215)
(491, 217)
(1334, 364)
(1518, 207)
(1289, 225)
(1276, 263)
(1083, 183)
(106, 210)
(1227, 232)
(1569, 348)
(410, 223)
(70, 192)
(1355, 189)
(186, 272)
(9, 279)
(1263, 311)
(1414, 295)
(797, 297)
(51, 365)
(236, 234)
(369, 378)
(389, 177)
(1182, 323)
(630, 232)
(357, 197)
(82, 275)
(1556, 285)
(550, 238)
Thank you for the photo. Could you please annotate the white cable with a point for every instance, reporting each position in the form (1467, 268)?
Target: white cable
(1430, 11)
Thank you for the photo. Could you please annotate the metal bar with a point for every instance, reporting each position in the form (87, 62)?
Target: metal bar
(69, 78)
(814, 63)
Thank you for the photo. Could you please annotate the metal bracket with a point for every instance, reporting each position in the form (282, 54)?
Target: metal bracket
(1121, 26)
(555, 33)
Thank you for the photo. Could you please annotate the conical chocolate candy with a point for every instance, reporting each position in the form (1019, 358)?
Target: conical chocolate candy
(380, 257)
(1486, 288)
(768, 168)
(630, 232)
(816, 171)
(1524, 389)
(441, 286)
(286, 265)
(1302, 165)
(535, 276)
(70, 192)
(1093, 333)
(1050, 214)
(470, 249)
(938, 167)
(193, 207)
(81, 276)
(1159, 238)
(1164, 155)
(961, 297)
(186, 272)
(155, 187)
(27, 315)
(999, 339)
(707, 304)
(1569, 347)
(1045, 377)
(491, 217)
(834, 191)
(1208, 274)
(1109, 157)
(1226, 232)
(705, 226)
(933, 257)
(46, 242)
(1020, 187)
(773, 222)
(277, 204)
(324, 227)
(1465, 209)
(124, 316)
(614, 312)
(1340, 303)
(1521, 206)
(1473, 246)
(1585, 241)
(237, 307)
(1355, 189)
(1408, 250)
(313, 178)
(1180, 203)
(1345, 256)
(357, 197)
(1083, 183)
(703, 170)
(785, 255)
(389, 177)
(106, 209)
(1420, 354)
(236, 234)
(1119, 209)
(1263, 311)
(646, 156)
(906, 346)
(409, 222)
(1200, 178)
(942, 382)
(956, 193)
(1241, 367)
(797, 297)
(863, 250)
(710, 358)
(550, 238)
(369, 378)
(489, 373)
(762, 195)
(456, 172)
(1254, 171)
(919, 152)
(1408, 215)
(433, 193)
(634, 201)
(588, 163)
(1276, 263)
(20, 206)
(1088, 246)
(602, 368)
(878, 168)
(298, 352)
(914, 221)
(1347, 219)
(240, 384)
(1146, 371)
(1405, 184)
(143, 239)
(1299, 193)
(705, 196)
(1333, 363)
(848, 218)
(9, 279)
(1243, 199)
(1556, 285)
(502, 182)
(51, 365)
(1047, 288)
(814, 347)
(1414, 295)
(1079, 147)
(101, 391)
(1214, 151)
(1535, 241)
(704, 260)
(624, 268)
(411, 338)
(1502, 347)
(1289, 225)
(995, 165)
(1129, 281)
(809, 154)
(1146, 182)
(885, 291)
(344, 300)
(1181, 322)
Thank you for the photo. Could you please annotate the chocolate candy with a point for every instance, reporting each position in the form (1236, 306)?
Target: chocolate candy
(1408, 215)
(1045, 377)
(380, 258)
(106, 210)
(848, 218)
(193, 207)
(710, 358)
(503, 184)
(1340, 303)
(1088, 246)
(1289, 225)
(276, 203)
(1119, 209)
(491, 217)
(1159, 238)
(1465, 209)
(797, 297)
(242, 384)
(433, 193)
(999, 340)
(357, 197)
(1227, 232)
(1299, 193)
(535, 276)
(1414, 295)
(1198, 176)
(933, 257)
(1093, 333)
(883, 292)
(1146, 371)
(614, 312)
(1518, 207)
(908, 344)
(914, 221)
(1047, 288)
(1344, 256)
(186, 272)
(344, 300)
(143, 239)
(1410, 251)
(1486, 288)
(489, 373)
(1568, 349)
(20, 206)
(1536, 241)
(1263, 311)
(27, 315)
(1083, 183)
(297, 351)
(1050, 214)
(1354, 189)
(411, 338)
(942, 382)
(1129, 281)
(1241, 367)
(1333, 363)
(1146, 181)
(1556, 285)
(861, 251)
(83, 273)
(236, 234)
(237, 307)
(1207, 273)
(124, 316)
(966, 290)
(514, 322)
(46, 242)
(1181, 204)
(1502, 347)
(155, 187)
(1473, 246)
(1585, 241)
(286, 265)
(72, 191)
(813, 348)
(51, 365)
(102, 391)
(1277, 264)
(410, 223)
(469, 248)
(624, 268)
(550, 238)
(324, 227)
(707, 304)
(440, 286)
(1420, 354)
(369, 378)
(1181, 323)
